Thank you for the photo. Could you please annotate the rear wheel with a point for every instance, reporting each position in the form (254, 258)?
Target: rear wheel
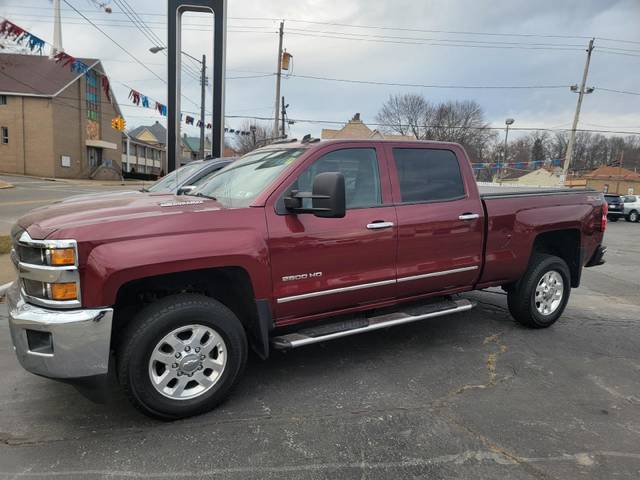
(181, 356)
(633, 216)
(540, 297)
(612, 219)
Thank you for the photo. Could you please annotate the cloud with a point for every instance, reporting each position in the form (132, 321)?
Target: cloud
(252, 45)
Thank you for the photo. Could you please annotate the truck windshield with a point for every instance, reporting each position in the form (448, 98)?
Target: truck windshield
(239, 184)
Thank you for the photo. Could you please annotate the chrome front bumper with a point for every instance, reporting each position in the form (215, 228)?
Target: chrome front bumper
(77, 342)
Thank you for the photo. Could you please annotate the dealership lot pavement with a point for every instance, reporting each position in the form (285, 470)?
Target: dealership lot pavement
(470, 396)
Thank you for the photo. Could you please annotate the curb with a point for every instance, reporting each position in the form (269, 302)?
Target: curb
(4, 185)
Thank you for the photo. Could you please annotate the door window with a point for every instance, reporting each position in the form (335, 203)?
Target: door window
(428, 175)
(361, 175)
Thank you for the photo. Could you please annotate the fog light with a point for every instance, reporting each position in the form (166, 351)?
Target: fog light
(63, 291)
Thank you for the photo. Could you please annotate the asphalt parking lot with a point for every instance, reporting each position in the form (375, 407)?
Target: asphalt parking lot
(472, 396)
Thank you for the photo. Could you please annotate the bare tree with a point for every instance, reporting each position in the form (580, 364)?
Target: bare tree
(460, 121)
(259, 135)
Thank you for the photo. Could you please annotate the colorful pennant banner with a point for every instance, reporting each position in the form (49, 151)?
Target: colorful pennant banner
(20, 36)
(517, 165)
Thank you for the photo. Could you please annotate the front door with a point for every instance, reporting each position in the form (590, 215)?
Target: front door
(95, 157)
(322, 265)
(440, 220)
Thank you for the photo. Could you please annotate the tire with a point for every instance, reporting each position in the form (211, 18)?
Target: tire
(633, 216)
(612, 219)
(524, 304)
(191, 338)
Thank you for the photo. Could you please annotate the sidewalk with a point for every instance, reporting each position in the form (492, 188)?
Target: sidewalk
(84, 182)
(7, 271)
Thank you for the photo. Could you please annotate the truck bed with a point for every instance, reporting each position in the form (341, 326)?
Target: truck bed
(497, 191)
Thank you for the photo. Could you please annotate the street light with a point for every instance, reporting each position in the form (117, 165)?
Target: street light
(508, 122)
(203, 82)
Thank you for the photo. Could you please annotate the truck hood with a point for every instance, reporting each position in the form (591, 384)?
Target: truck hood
(93, 196)
(102, 211)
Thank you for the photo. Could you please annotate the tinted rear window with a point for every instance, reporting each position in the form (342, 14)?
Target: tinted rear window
(428, 175)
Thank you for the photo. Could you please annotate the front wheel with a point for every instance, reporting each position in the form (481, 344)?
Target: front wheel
(181, 356)
(633, 217)
(540, 297)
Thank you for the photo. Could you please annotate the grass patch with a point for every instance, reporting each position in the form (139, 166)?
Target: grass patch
(5, 244)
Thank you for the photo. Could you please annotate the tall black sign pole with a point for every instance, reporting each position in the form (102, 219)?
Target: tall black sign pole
(174, 18)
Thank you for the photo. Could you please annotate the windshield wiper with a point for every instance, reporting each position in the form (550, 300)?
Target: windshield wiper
(145, 190)
(202, 195)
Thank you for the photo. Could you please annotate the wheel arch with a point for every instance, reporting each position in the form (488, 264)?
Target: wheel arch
(231, 286)
(565, 244)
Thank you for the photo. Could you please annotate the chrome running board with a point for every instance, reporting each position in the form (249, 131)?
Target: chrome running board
(360, 325)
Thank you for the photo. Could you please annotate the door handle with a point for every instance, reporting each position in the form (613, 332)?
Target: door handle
(379, 225)
(468, 216)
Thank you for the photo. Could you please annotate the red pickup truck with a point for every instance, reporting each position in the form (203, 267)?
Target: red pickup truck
(293, 244)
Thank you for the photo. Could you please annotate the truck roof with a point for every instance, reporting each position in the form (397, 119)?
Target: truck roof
(295, 143)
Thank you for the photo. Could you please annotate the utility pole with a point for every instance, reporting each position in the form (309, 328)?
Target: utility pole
(57, 30)
(576, 118)
(278, 80)
(203, 82)
(284, 113)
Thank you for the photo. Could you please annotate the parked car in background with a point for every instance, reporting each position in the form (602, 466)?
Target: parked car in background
(631, 208)
(616, 207)
(192, 174)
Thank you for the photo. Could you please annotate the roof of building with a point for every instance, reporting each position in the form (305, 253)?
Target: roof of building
(157, 130)
(36, 75)
(356, 129)
(607, 173)
(192, 143)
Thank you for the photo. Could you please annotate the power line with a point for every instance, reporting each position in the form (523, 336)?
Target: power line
(393, 84)
(418, 39)
(123, 49)
(625, 92)
(433, 44)
(146, 31)
(390, 28)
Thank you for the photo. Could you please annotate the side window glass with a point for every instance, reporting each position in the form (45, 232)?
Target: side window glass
(360, 169)
(428, 175)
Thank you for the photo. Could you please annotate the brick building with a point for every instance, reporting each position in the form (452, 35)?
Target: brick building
(619, 181)
(55, 122)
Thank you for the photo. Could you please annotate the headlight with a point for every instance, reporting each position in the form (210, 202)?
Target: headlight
(48, 271)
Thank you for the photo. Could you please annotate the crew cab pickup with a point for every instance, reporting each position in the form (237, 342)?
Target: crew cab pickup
(293, 244)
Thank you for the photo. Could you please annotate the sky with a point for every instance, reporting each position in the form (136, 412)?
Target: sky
(424, 42)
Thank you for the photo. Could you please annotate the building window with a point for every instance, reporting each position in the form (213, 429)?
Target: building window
(124, 147)
(92, 95)
(3, 99)
(606, 188)
(4, 134)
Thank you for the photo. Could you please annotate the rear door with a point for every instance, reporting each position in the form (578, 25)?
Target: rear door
(440, 219)
(322, 265)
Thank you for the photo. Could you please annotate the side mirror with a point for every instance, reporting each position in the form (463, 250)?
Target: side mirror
(328, 199)
(186, 190)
